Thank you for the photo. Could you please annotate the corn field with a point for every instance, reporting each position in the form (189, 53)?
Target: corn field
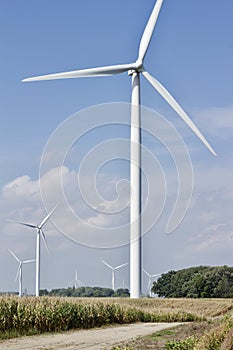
(206, 308)
(45, 314)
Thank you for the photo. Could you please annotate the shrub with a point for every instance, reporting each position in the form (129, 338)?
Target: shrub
(186, 344)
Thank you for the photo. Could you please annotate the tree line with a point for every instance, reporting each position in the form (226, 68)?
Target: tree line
(196, 282)
(88, 292)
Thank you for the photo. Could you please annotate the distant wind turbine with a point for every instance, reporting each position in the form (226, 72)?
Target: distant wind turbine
(40, 234)
(76, 282)
(124, 285)
(134, 70)
(19, 273)
(113, 271)
(150, 281)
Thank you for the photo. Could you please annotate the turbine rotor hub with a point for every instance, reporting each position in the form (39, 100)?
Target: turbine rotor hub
(137, 67)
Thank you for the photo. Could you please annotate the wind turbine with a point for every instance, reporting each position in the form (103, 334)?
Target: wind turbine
(134, 69)
(19, 273)
(150, 277)
(40, 234)
(124, 285)
(76, 281)
(113, 271)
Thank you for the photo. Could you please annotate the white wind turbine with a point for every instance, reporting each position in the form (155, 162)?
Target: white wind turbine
(150, 280)
(113, 271)
(19, 273)
(124, 285)
(134, 70)
(76, 282)
(40, 234)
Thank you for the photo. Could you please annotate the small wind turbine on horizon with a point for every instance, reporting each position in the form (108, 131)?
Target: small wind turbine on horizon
(76, 282)
(134, 70)
(124, 285)
(113, 271)
(19, 273)
(150, 281)
(40, 234)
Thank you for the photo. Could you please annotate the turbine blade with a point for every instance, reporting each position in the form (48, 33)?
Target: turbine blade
(146, 37)
(90, 72)
(172, 102)
(28, 261)
(146, 273)
(44, 240)
(104, 262)
(17, 273)
(47, 217)
(118, 267)
(13, 254)
(156, 275)
(70, 282)
(23, 223)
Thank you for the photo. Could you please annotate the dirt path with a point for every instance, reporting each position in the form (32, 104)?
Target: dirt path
(93, 339)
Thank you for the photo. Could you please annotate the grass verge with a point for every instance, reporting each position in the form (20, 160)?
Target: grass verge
(209, 335)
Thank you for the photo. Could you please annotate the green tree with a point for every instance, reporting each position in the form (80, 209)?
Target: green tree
(196, 282)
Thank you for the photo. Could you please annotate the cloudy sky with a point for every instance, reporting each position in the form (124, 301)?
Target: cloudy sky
(54, 143)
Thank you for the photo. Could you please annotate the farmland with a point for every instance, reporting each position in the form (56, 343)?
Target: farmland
(29, 315)
(199, 308)
(21, 316)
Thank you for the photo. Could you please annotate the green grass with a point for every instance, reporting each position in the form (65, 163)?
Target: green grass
(161, 334)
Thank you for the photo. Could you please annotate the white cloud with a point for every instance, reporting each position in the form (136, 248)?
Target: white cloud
(204, 235)
(20, 187)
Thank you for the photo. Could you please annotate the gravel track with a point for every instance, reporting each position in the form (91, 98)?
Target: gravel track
(91, 339)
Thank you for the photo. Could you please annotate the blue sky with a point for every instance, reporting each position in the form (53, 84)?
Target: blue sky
(191, 53)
